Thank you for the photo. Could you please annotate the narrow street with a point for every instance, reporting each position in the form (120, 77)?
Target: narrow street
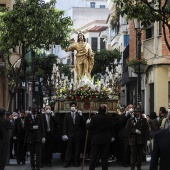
(57, 164)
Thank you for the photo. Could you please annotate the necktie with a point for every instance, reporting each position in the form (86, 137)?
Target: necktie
(74, 117)
(48, 122)
(22, 123)
(34, 117)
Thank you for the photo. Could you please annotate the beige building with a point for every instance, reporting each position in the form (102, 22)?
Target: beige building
(155, 82)
(3, 80)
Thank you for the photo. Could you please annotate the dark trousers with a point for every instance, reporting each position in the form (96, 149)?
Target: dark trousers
(136, 155)
(72, 143)
(126, 151)
(95, 151)
(13, 147)
(21, 151)
(47, 149)
(3, 154)
(35, 149)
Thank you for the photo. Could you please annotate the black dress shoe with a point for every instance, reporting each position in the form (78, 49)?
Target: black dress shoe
(65, 165)
(48, 165)
(125, 165)
(37, 168)
(8, 164)
(76, 165)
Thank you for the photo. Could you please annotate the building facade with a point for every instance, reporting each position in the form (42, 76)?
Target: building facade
(3, 79)
(155, 82)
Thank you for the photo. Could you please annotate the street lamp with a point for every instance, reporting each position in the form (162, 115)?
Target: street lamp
(138, 29)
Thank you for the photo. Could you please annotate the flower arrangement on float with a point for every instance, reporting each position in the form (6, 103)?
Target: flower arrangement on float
(85, 91)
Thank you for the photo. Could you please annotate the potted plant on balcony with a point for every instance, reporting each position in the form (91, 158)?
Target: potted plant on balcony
(138, 66)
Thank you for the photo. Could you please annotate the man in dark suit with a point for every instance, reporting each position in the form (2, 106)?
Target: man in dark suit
(5, 126)
(73, 124)
(19, 135)
(138, 134)
(39, 110)
(123, 134)
(161, 150)
(51, 124)
(35, 137)
(101, 125)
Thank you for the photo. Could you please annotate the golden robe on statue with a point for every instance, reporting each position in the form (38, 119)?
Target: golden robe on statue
(84, 57)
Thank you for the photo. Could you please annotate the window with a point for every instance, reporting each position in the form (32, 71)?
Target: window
(150, 31)
(168, 92)
(68, 61)
(2, 5)
(159, 28)
(14, 50)
(102, 6)
(92, 4)
(126, 40)
(102, 44)
(94, 43)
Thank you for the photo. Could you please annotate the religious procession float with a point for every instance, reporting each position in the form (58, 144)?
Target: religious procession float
(88, 94)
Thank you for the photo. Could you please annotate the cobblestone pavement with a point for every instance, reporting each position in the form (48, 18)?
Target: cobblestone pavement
(57, 165)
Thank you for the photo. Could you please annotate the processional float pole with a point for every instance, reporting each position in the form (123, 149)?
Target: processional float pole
(85, 145)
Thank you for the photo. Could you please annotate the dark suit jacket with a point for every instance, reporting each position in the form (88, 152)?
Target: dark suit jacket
(102, 128)
(54, 123)
(123, 133)
(34, 135)
(5, 126)
(19, 130)
(161, 149)
(141, 125)
(73, 130)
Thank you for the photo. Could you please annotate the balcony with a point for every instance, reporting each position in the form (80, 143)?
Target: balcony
(104, 34)
(115, 40)
(111, 5)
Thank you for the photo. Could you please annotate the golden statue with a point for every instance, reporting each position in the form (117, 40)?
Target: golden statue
(84, 56)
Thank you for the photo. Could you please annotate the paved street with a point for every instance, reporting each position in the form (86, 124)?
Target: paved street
(56, 164)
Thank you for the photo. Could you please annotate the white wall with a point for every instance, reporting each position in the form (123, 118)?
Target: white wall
(97, 3)
(67, 4)
(82, 16)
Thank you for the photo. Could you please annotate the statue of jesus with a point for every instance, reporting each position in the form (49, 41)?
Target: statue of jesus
(84, 57)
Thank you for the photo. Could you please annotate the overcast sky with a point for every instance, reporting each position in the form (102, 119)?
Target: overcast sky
(67, 4)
